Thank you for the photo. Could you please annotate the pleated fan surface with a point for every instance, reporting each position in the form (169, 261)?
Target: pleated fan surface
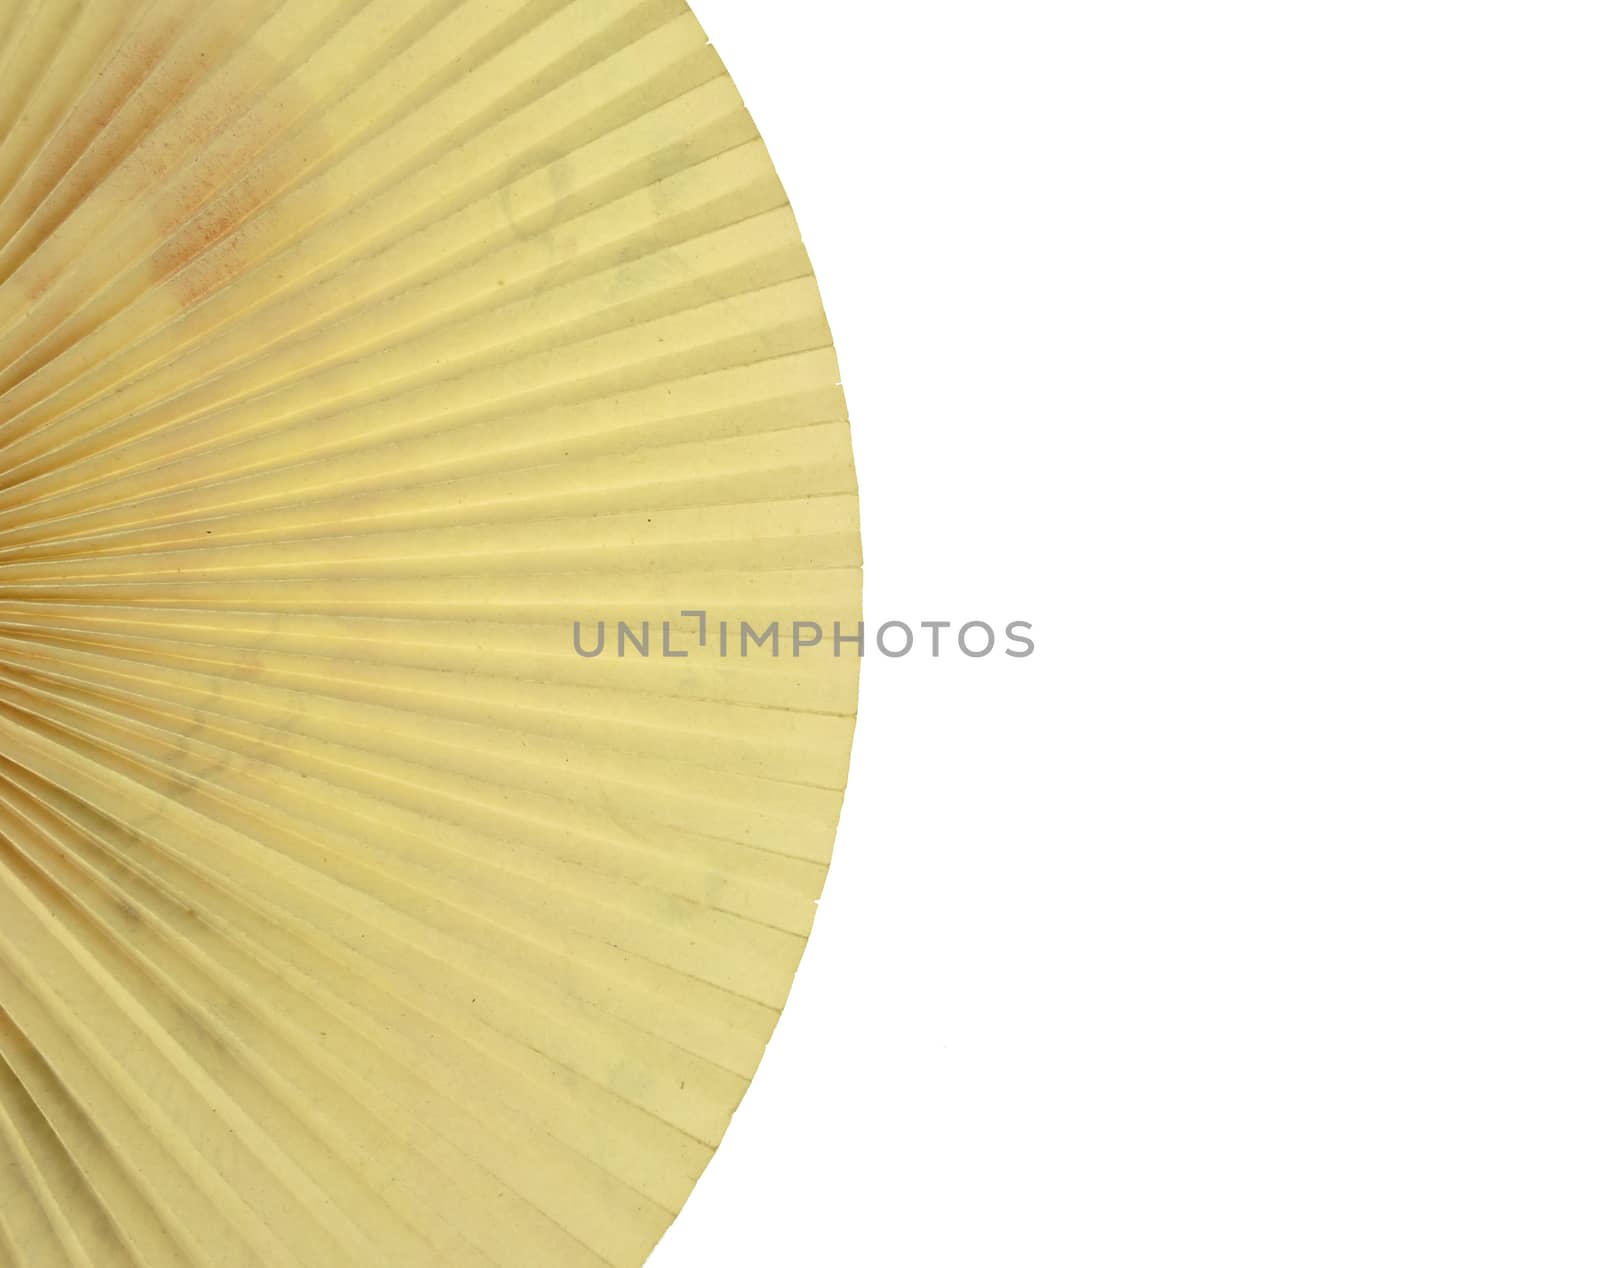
(352, 353)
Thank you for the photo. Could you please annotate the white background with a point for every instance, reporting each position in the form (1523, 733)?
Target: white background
(1249, 350)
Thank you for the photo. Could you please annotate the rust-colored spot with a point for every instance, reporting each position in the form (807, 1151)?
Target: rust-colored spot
(182, 160)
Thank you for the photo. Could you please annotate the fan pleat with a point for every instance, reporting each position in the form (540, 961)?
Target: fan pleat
(351, 355)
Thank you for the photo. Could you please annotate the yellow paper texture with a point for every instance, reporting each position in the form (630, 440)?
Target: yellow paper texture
(350, 353)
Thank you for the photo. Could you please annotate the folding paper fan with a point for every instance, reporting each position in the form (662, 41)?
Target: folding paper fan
(397, 399)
